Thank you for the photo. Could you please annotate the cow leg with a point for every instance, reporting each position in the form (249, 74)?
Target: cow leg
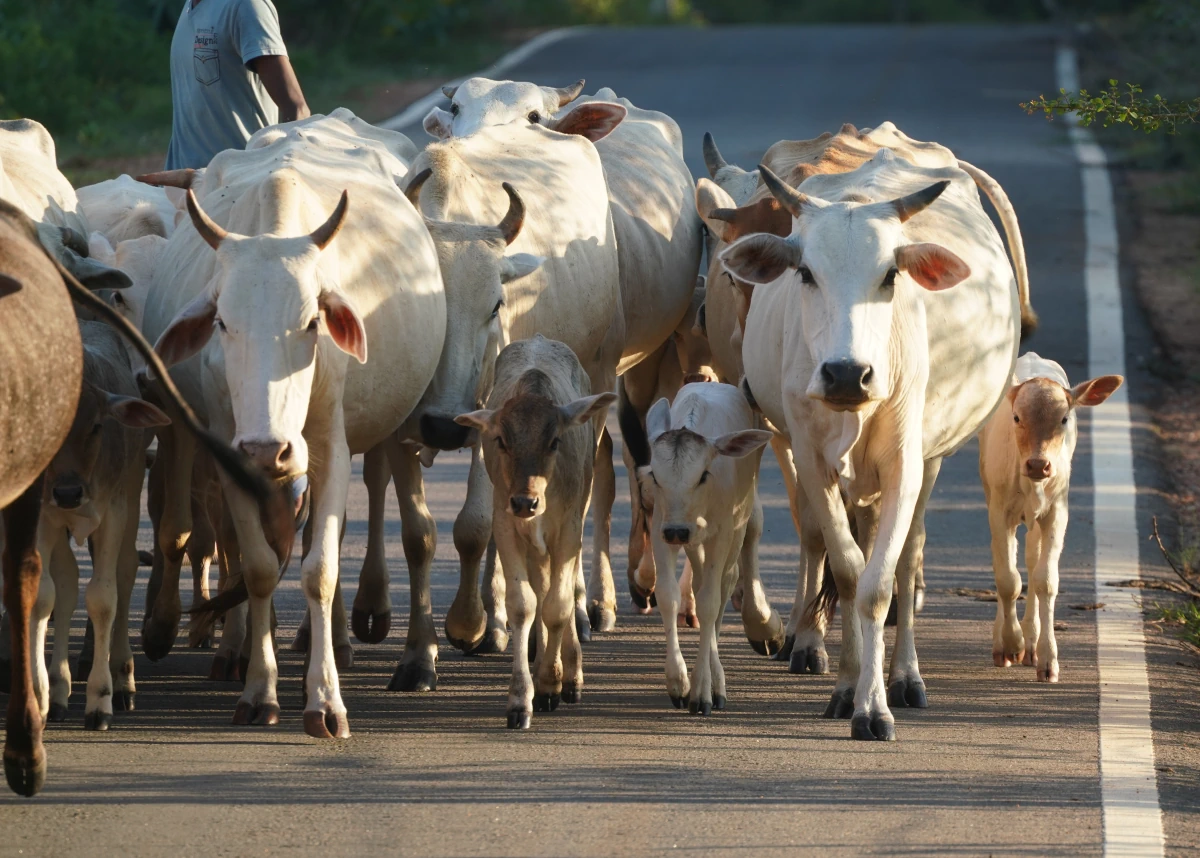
(494, 604)
(1031, 623)
(201, 549)
(787, 467)
(1043, 581)
(666, 588)
(64, 572)
(905, 686)
(120, 660)
(729, 583)
(24, 756)
(467, 623)
(687, 596)
(557, 616)
(707, 569)
(522, 611)
(811, 619)
(641, 561)
(176, 453)
(762, 623)
(371, 617)
(602, 597)
(226, 664)
(1008, 644)
(48, 540)
(417, 670)
(101, 597)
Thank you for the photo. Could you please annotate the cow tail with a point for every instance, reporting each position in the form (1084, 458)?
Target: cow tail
(1016, 247)
(826, 601)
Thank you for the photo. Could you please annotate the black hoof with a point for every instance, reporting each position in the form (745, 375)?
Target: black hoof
(545, 702)
(25, 778)
(158, 638)
(809, 660)
(785, 651)
(907, 693)
(720, 701)
(677, 702)
(413, 677)
(583, 626)
(601, 618)
(519, 719)
(493, 641)
(370, 628)
(768, 648)
(841, 704)
(872, 728)
(123, 701)
(57, 713)
(640, 598)
(702, 707)
(571, 693)
(97, 720)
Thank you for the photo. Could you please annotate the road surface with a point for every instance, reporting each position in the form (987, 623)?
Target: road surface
(998, 764)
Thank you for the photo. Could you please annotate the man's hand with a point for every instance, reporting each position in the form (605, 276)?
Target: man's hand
(281, 84)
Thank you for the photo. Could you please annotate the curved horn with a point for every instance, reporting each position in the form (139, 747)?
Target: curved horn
(169, 178)
(206, 226)
(712, 156)
(449, 91)
(788, 197)
(917, 202)
(514, 219)
(567, 94)
(325, 233)
(413, 191)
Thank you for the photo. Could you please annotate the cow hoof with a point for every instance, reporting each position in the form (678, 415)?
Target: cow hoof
(602, 618)
(571, 693)
(494, 640)
(907, 693)
(583, 625)
(677, 702)
(872, 728)
(640, 598)
(224, 669)
(343, 656)
(720, 701)
(785, 651)
(57, 713)
(370, 628)
(1048, 673)
(688, 620)
(98, 721)
(768, 647)
(519, 719)
(700, 707)
(1029, 659)
(326, 725)
(545, 702)
(413, 676)
(123, 701)
(812, 660)
(25, 777)
(841, 704)
(158, 638)
(1006, 659)
(302, 639)
(145, 558)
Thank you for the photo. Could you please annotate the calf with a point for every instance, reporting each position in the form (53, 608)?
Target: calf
(539, 435)
(703, 480)
(93, 492)
(1025, 455)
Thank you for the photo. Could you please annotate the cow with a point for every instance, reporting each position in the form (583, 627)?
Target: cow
(875, 367)
(538, 434)
(124, 208)
(93, 490)
(1025, 452)
(703, 477)
(302, 251)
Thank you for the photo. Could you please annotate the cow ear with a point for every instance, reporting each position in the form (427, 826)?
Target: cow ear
(8, 286)
(93, 274)
(480, 420)
(344, 325)
(760, 258)
(1095, 390)
(582, 410)
(135, 413)
(739, 444)
(594, 120)
(437, 123)
(189, 332)
(518, 265)
(932, 266)
(658, 419)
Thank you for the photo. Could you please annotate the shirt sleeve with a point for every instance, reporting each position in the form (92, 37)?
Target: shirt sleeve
(255, 30)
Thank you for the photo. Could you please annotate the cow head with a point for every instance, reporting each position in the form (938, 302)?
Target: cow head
(685, 495)
(1043, 413)
(522, 439)
(853, 267)
(475, 269)
(270, 305)
(479, 103)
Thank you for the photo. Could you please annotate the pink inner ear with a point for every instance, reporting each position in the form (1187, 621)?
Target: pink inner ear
(345, 327)
(932, 266)
(593, 121)
(188, 334)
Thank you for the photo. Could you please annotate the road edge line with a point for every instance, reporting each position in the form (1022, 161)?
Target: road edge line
(416, 111)
(1132, 817)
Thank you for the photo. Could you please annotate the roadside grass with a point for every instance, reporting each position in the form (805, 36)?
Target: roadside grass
(1186, 619)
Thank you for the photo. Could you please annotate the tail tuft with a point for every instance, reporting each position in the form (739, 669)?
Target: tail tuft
(1029, 322)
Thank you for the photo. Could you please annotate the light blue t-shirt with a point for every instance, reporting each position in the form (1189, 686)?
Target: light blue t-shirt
(217, 102)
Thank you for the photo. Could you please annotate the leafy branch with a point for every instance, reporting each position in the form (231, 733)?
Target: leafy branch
(1117, 105)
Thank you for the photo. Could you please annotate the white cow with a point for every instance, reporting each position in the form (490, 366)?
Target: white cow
(703, 478)
(875, 368)
(124, 208)
(1025, 455)
(274, 303)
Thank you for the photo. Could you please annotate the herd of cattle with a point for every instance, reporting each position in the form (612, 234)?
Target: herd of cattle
(332, 290)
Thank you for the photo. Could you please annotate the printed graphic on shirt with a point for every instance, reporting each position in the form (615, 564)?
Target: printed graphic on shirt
(206, 60)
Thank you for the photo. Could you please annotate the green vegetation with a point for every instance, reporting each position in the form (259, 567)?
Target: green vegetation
(1114, 106)
(1187, 618)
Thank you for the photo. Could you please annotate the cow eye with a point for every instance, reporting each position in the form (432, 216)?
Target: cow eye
(535, 117)
(220, 325)
(496, 309)
(454, 110)
(312, 326)
(1016, 419)
(703, 478)
(889, 279)
(554, 445)
(1064, 421)
(118, 299)
(500, 443)
(806, 276)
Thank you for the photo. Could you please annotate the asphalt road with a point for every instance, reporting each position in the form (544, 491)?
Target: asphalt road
(997, 765)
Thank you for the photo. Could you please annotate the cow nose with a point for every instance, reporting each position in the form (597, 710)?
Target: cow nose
(1037, 469)
(442, 433)
(846, 380)
(272, 456)
(676, 535)
(68, 496)
(523, 506)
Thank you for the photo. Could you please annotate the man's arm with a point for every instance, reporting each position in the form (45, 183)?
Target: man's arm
(280, 82)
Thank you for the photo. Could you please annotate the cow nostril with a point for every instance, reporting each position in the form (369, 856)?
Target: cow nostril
(867, 375)
(827, 374)
(68, 497)
(285, 454)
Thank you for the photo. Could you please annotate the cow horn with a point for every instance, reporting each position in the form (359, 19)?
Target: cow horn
(325, 233)
(712, 156)
(514, 219)
(724, 215)
(413, 191)
(209, 230)
(169, 178)
(567, 94)
(917, 202)
(449, 91)
(788, 197)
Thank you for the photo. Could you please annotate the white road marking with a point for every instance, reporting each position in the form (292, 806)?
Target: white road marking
(416, 111)
(1128, 785)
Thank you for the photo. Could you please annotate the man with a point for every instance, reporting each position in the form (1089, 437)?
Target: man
(227, 56)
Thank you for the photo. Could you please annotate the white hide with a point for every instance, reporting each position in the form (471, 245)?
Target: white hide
(124, 208)
(481, 103)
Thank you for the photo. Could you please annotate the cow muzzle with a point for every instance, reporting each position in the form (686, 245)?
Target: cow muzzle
(67, 495)
(675, 535)
(275, 458)
(1038, 469)
(442, 433)
(524, 506)
(845, 384)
